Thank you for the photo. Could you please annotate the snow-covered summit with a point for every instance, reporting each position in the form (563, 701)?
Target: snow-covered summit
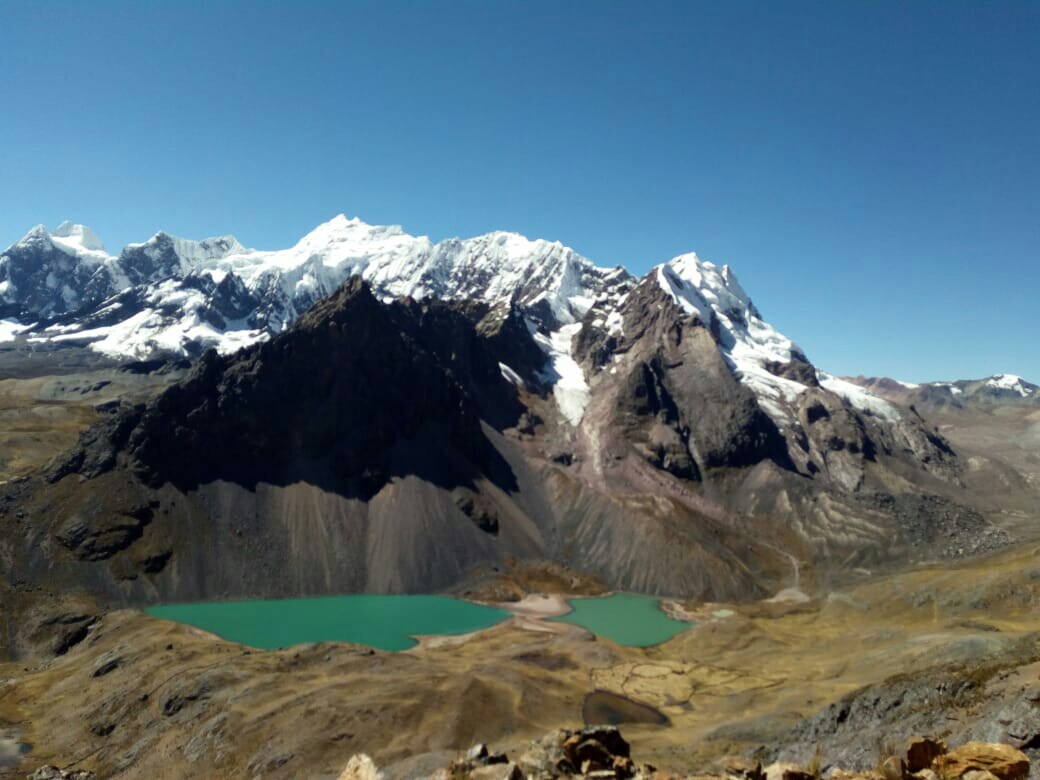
(34, 235)
(78, 235)
(1013, 383)
(753, 347)
(73, 239)
(190, 253)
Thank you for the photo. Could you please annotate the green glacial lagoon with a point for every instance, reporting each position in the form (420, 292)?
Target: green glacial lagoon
(625, 618)
(384, 622)
(391, 622)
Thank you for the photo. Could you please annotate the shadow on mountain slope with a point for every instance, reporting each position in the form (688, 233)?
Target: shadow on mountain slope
(355, 394)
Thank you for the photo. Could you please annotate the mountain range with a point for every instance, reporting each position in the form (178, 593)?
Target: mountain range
(177, 297)
(383, 413)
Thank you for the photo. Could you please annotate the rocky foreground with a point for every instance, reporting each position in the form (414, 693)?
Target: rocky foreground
(601, 752)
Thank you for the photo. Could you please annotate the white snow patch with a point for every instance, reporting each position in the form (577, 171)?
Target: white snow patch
(9, 329)
(81, 242)
(859, 397)
(510, 375)
(570, 389)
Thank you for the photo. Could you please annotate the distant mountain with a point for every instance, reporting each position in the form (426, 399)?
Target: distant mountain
(997, 389)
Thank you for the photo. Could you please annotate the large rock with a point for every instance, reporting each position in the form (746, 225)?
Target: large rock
(922, 752)
(1003, 761)
(361, 767)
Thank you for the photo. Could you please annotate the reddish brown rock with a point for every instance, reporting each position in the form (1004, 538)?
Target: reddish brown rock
(922, 752)
(1003, 761)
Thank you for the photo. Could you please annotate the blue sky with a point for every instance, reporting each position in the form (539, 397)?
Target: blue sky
(871, 170)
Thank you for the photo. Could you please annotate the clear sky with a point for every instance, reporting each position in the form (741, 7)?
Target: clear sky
(871, 170)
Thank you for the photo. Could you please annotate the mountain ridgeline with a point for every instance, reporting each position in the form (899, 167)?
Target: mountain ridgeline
(372, 412)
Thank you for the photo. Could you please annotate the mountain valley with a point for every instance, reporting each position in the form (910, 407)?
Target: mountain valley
(493, 418)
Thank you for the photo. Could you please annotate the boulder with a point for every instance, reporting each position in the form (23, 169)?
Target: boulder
(590, 755)
(743, 768)
(477, 753)
(894, 768)
(922, 752)
(1003, 761)
(361, 767)
(609, 737)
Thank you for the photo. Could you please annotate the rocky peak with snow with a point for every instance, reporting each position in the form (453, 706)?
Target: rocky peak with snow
(762, 357)
(46, 274)
(1015, 385)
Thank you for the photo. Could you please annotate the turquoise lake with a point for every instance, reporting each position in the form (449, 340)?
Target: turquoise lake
(625, 618)
(390, 622)
(384, 622)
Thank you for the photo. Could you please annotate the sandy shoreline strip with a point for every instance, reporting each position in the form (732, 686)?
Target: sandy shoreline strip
(529, 614)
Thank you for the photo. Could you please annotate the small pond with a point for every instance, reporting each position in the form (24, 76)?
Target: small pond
(625, 618)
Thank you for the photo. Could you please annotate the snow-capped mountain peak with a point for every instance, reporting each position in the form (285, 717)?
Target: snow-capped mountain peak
(78, 235)
(79, 241)
(35, 235)
(756, 351)
(1012, 383)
